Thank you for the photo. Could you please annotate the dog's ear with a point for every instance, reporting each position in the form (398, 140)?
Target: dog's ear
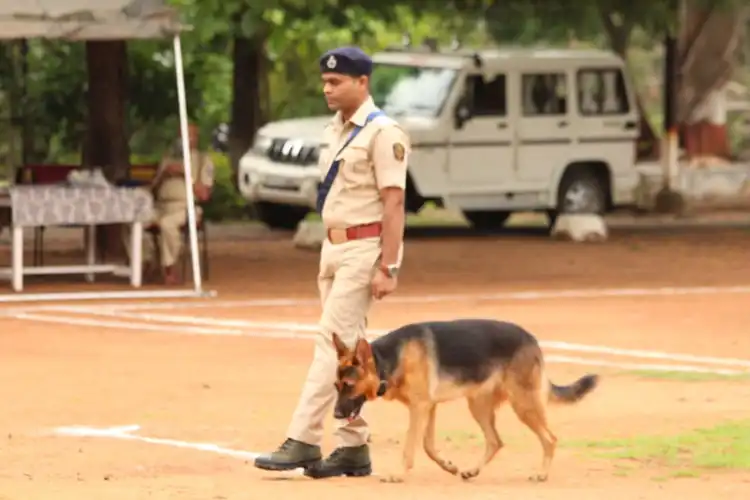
(341, 350)
(362, 351)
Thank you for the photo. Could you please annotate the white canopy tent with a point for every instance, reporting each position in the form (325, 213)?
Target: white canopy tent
(97, 20)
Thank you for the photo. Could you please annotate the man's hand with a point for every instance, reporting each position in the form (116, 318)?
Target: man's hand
(202, 192)
(174, 169)
(382, 284)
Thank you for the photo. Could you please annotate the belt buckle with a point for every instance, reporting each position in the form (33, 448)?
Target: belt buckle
(338, 236)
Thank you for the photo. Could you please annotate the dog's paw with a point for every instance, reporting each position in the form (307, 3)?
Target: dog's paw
(392, 479)
(449, 467)
(469, 474)
(538, 478)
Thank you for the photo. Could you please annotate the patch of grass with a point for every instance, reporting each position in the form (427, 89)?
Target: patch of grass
(428, 220)
(685, 473)
(723, 447)
(623, 469)
(678, 474)
(686, 376)
(433, 216)
(527, 219)
(428, 216)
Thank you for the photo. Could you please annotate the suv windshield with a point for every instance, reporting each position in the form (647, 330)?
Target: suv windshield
(411, 90)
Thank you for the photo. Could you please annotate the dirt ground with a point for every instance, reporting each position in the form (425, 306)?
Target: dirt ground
(203, 377)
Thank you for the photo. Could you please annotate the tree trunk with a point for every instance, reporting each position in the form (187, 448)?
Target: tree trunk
(708, 41)
(106, 145)
(30, 151)
(249, 89)
(619, 39)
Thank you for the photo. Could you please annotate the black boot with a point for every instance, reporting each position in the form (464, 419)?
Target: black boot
(346, 461)
(292, 454)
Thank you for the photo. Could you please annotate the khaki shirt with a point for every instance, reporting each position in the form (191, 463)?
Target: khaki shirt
(377, 158)
(173, 188)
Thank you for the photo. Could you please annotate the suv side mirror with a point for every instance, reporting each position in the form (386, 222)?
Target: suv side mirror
(462, 113)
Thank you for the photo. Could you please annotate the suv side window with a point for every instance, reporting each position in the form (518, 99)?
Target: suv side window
(544, 94)
(602, 92)
(487, 98)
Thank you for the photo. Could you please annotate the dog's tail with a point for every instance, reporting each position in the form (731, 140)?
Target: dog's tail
(574, 392)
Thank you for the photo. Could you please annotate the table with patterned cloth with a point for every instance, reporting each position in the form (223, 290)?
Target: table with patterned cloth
(82, 205)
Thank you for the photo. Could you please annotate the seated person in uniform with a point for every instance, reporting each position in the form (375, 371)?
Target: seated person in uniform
(170, 205)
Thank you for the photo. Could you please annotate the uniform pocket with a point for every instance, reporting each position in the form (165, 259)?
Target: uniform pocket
(356, 169)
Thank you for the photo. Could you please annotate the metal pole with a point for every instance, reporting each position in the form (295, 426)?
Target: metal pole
(186, 157)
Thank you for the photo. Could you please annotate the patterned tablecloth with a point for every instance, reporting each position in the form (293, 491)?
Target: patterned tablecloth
(56, 205)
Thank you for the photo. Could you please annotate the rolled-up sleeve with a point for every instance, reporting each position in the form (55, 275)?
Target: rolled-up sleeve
(390, 156)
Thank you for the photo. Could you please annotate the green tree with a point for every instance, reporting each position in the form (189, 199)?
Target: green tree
(604, 23)
(275, 44)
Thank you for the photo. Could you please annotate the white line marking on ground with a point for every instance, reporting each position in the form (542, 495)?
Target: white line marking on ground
(302, 327)
(591, 293)
(192, 320)
(307, 331)
(124, 325)
(187, 304)
(141, 326)
(78, 430)
(126, 433)
(638, 353)
(639, 366)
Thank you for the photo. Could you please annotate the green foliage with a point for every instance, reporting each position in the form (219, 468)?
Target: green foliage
(562, 22)
(225, 202)
(294, 34)
(55, 103)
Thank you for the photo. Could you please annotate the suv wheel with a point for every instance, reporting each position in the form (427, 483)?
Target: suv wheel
(487, 219)
(278, 216)
(581, 193)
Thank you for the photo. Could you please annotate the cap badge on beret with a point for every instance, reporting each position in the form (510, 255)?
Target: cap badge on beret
(331, 62)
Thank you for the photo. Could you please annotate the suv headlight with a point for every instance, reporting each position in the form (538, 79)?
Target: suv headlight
(261, 144)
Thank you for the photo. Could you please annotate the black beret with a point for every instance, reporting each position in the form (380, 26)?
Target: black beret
(347, 61)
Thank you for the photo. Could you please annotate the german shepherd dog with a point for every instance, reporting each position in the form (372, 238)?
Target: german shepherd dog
(424, 364)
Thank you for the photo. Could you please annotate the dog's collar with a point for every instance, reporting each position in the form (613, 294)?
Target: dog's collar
(383, 386)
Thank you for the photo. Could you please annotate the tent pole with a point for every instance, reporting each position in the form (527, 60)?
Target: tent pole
(191, 216)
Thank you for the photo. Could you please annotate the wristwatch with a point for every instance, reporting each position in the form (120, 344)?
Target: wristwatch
(390, 270)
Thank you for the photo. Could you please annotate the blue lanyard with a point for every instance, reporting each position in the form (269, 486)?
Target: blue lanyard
(325, 187)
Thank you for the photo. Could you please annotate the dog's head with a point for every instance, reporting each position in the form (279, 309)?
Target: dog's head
(357, 378)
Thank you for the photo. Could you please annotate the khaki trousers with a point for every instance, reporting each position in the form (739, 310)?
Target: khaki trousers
(346, 271)
(170, 216)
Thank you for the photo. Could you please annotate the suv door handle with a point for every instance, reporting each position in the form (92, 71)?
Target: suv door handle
(630, 125)
(562, 123)
(502, 125)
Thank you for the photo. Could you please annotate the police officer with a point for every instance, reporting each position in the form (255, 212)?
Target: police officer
(361, 201)
(170, 202)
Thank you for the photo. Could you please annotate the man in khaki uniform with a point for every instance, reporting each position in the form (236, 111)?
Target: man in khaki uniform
(170, 203)
(361, 200)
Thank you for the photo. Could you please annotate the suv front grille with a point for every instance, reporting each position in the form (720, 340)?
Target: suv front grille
(292, 151)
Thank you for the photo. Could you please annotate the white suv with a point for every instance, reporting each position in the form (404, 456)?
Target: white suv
(493, 132)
